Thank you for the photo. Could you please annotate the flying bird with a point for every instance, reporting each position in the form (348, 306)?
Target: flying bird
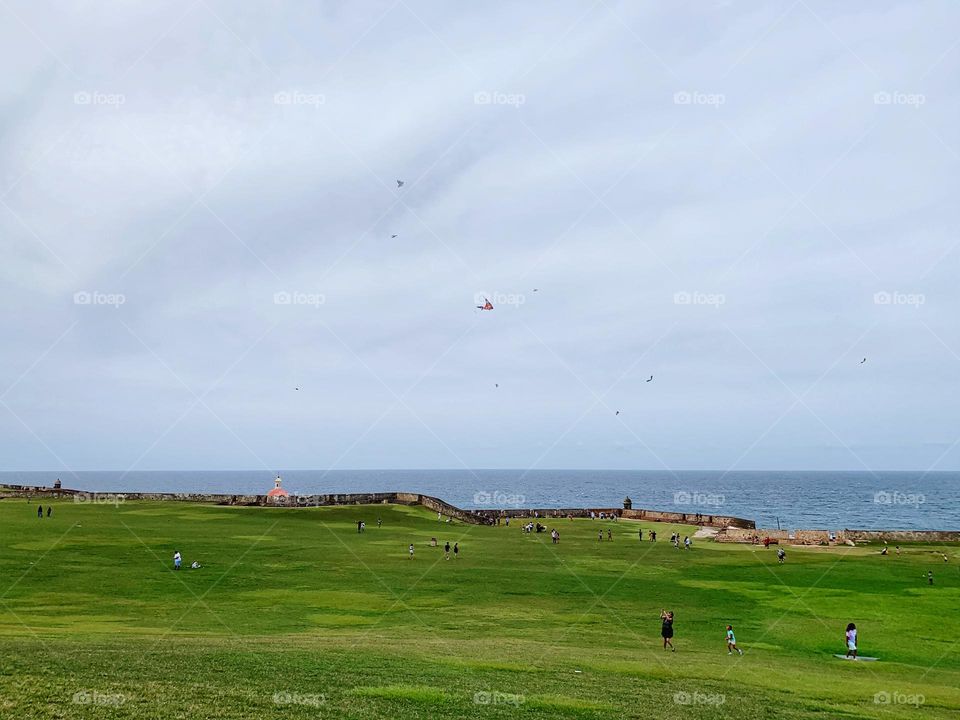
(487, 305)
(296, 388)
(617, 412)
(392, 237)
(863, 361)
(536, 289)
(496, 384)
(399, 183)
(650, 379)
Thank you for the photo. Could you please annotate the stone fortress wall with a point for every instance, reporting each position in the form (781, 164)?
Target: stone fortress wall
(730, 529)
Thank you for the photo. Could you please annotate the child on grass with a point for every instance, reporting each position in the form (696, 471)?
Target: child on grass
(732, 642)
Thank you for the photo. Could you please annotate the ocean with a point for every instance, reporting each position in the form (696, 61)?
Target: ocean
(788, 499)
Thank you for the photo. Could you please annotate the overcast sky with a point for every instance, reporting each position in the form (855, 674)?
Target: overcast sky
(741, 199)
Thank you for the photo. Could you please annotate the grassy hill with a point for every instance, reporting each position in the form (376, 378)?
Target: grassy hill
(296, 615)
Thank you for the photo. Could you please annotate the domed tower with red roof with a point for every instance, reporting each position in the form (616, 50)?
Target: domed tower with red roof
(278, 494)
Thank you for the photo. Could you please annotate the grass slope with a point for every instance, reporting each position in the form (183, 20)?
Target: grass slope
(296, 615)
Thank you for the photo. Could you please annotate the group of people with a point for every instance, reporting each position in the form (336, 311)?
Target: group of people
(178, 560)
(40, 511)
(446, 550)
(675, 539)
(666, 632)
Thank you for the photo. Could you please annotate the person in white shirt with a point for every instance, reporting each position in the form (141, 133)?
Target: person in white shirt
(176, 560)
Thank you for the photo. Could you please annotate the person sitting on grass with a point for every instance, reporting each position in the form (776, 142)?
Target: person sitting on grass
(666, 629)
(732, 642)
(851, 637)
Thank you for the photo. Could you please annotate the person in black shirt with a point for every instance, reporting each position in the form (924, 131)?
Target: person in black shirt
(666, 629)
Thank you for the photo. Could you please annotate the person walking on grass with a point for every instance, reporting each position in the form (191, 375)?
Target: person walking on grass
(411, 551)
(176, 559)
(40, 511)
(456, 550)
(851, 638)
(50, 511)
(600, 536)
(610, 535)
(446, 550)
(641, 534)
(686, 542)
(379, 521)
(732, 642)
(666, 629)
(781, 555)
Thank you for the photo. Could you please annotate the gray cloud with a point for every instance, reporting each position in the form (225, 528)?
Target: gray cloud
(742, 200)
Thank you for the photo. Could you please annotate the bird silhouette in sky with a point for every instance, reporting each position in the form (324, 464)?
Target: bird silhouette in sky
(399, 183)
(863, 361)
(650, 379)
(617, 412)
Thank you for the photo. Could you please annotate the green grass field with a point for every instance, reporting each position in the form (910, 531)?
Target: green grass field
(296, 615)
